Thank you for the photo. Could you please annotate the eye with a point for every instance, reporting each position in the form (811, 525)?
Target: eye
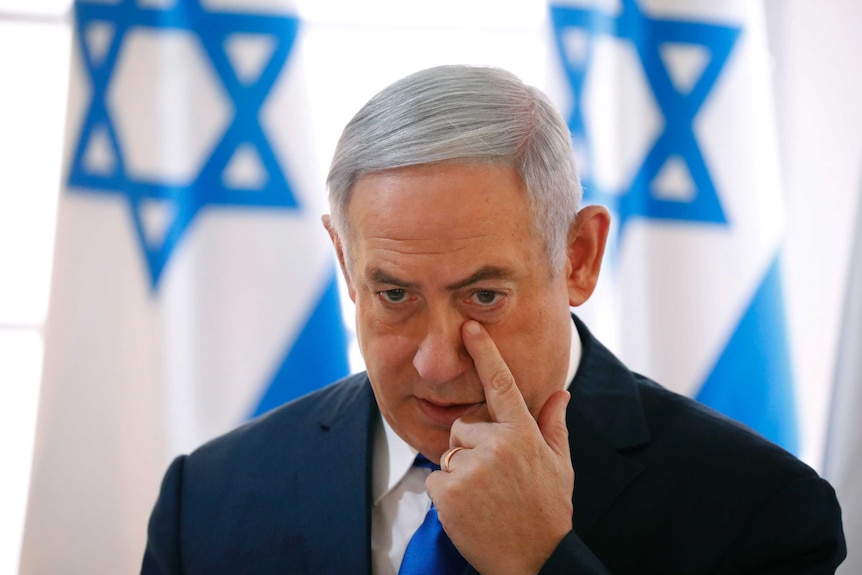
(486, 297)
(393, 295)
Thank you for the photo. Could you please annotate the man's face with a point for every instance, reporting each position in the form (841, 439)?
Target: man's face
(431, 247)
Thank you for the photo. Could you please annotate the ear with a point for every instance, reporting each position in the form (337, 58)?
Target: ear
(587, 238)
(339, 251)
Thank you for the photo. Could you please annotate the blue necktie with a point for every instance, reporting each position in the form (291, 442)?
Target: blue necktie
(430, 552)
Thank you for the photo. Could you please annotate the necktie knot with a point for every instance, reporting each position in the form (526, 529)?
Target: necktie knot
(422, 461)
(430, 551)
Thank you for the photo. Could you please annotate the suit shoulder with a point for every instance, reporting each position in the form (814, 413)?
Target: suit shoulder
(770, 504)
(285, 423)
(707, 440)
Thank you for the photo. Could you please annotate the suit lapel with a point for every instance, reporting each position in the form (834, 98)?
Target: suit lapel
(601, 474)
(334, 492)
(605, 416)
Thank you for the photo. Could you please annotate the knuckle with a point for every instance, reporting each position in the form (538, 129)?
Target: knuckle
(502, 379)
(444, 495)
(444, 517)
(457, 430)
(497, 448)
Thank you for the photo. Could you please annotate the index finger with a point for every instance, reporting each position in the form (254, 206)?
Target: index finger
(504, 399)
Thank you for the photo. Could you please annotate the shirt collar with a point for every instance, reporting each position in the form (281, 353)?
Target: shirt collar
(393, 457)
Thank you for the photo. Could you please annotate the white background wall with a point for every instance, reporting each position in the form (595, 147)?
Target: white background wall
(353, 50)
(818, 90)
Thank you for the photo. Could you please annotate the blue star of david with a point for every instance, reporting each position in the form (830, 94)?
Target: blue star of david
(677, 140)
(207, 187)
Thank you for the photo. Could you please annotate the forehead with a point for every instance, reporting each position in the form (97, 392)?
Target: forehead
(449, 217)
(439, 200)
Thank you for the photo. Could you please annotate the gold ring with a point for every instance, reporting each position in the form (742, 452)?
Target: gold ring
(447, 457)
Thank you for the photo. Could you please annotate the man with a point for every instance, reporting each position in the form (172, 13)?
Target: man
(454, 200)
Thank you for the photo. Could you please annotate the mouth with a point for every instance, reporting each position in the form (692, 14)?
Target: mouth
(445, 414)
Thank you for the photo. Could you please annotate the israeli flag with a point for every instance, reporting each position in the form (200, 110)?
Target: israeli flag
(194, 286)
(671, 110)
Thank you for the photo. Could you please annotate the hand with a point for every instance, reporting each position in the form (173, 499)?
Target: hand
(507, 501)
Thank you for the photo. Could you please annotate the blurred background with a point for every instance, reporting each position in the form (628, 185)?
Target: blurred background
(164, 276)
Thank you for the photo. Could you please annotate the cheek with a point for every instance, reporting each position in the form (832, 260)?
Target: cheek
(536, 352)
(385, 351)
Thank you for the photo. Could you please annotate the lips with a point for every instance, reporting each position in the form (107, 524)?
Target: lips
(445, 414)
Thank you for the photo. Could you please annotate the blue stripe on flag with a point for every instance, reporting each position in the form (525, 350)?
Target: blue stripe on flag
(317, 358)
(752, 381)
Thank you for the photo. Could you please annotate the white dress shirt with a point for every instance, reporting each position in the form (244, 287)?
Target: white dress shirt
(398, 488)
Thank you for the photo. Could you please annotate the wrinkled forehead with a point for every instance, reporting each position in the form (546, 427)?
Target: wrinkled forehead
(390, 180)
(434, 210)
(451, 195)
(453, 191)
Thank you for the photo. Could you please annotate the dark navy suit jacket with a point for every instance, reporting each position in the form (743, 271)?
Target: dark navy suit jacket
(662, 485)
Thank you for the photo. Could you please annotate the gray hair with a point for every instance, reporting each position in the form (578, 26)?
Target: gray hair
(468, 114)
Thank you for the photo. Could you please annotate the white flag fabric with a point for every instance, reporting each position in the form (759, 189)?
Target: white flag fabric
(193, 285)
(843, 461)
(670, 107)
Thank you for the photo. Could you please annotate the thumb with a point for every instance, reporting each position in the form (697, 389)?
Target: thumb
(552, 422)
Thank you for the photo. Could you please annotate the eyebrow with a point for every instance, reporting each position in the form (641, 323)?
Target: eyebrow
(484, 273)
(379, 276)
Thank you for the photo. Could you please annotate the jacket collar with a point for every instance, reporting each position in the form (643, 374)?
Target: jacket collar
(605, 394)
(337, 527)
(605, 417)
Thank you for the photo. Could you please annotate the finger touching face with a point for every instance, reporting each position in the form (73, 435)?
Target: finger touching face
(503, 398)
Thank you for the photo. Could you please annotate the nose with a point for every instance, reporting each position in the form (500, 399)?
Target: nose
(441, 356)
